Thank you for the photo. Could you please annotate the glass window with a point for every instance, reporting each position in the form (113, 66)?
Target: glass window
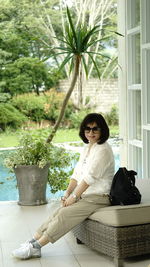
(148, 84)
(133, 12)
(148, 149)
(134, 64)
(135, 114)
(147, 21)
(138, 115)
(136, 160)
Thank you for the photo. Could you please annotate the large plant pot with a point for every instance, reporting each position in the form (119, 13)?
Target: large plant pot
(31, 182)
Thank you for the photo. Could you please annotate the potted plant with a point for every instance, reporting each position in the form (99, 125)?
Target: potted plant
(31, 162)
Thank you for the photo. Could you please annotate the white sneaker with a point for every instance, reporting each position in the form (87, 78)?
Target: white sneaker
(26, 252)
(25, 243)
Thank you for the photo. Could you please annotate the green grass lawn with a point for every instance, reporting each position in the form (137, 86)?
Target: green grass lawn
(62, 135)
(11, 139)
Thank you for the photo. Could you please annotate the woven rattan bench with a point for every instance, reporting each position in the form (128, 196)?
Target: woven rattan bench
(118, 231)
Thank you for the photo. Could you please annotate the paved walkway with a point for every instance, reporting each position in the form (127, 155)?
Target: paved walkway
(18, 223)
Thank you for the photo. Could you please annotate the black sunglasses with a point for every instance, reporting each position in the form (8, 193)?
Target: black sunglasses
(94, 129)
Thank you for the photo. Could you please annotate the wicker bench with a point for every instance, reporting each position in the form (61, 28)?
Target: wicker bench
(119, 231)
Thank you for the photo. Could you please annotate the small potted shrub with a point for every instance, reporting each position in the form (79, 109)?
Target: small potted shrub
(35, 164)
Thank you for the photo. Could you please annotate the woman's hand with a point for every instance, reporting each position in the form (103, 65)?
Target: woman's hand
(69, 201)
(70, 188)
(63, 199)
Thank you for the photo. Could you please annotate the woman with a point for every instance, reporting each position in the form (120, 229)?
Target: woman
(87, 191)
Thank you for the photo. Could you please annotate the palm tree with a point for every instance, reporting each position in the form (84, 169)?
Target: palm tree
(77, 42)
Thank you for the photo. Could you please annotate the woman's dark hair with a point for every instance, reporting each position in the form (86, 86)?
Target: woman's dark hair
(101, 123)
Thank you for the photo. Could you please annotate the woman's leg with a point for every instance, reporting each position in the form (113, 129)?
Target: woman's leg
(63, 220)
(66, 218)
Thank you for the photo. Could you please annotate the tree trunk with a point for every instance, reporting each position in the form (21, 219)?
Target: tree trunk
(80, 87)
(66, 99)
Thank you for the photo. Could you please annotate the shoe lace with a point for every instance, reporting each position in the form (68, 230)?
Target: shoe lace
(24, 244)
(27, 248)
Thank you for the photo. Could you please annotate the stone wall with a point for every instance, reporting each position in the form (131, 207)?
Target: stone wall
(102, 95)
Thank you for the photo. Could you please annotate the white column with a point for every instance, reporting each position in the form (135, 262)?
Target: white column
(122, 83)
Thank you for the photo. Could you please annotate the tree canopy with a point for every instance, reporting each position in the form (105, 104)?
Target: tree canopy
(28, 31)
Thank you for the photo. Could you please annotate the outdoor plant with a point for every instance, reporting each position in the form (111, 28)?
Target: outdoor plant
(33, 150)
(77, 117)
(112, 117)
(10, 116)
(61, 166)
(31, 105)
(77, 44)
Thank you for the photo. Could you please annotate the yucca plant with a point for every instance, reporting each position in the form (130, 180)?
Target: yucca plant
(77, 42)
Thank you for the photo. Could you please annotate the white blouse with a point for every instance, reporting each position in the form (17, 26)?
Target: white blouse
(96, 168)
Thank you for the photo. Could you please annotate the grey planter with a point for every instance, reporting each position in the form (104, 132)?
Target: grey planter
(31, 182)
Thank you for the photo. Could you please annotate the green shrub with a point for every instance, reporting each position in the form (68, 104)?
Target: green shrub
(53, 106)
(4, 97)
(30, 105)
(112, 117)
(10, 116)
(77, 117)
(46, 106)
(54, 76)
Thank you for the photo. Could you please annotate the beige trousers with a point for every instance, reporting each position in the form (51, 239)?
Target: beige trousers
(65, 218)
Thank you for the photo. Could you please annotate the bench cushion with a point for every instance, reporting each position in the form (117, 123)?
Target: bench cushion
(123, 215)
(127, 215)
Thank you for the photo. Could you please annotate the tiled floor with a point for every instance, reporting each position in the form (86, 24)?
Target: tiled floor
(18, 223)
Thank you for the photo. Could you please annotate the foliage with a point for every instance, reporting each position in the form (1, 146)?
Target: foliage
(112, 117)
(23, 50)
(32, 108)
(54, 77)
(4, 97)
(61, 167)
(26, 74)
(22, 31)
(53, 104)
(33, 150)
(30, 105)
(77, 117)
(10, 116)
(46, 106)
(103, 13)
(79, 41)
(114, 131)
(28, 30)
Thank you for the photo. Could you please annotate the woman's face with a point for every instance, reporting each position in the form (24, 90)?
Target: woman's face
(92, 132)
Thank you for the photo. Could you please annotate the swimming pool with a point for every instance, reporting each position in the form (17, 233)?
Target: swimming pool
(8, 184)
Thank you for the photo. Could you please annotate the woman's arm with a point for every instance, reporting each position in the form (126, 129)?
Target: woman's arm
(77, 193)
(80, 189)
(72, 185)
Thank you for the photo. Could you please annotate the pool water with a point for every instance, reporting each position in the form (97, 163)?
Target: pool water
(8, 184)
